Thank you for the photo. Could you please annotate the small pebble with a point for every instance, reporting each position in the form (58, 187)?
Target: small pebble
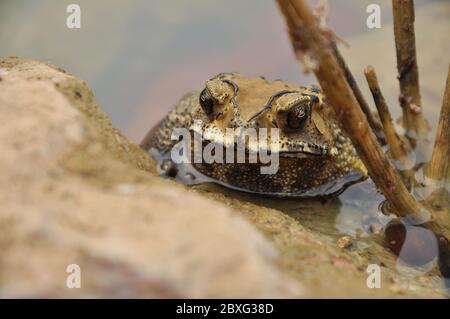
(396, 288)
(344, 242)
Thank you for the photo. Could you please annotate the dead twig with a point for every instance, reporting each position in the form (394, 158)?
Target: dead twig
(415, 124)
(309, 41)
(396, 147)
(439, 166)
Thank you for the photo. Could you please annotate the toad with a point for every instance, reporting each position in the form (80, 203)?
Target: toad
(315, 156)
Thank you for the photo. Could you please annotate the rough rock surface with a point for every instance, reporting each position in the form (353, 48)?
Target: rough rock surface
(74, 190)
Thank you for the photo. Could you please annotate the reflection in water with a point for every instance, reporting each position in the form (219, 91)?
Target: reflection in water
(416, 247)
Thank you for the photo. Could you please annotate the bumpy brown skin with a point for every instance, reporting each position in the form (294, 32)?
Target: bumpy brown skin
(315, 159)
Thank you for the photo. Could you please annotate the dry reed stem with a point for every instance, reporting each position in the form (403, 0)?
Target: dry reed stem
(439, 166)
(396, 147)
(415, 124)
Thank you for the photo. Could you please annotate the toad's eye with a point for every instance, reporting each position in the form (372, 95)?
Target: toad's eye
(206, 102)
(297, 116)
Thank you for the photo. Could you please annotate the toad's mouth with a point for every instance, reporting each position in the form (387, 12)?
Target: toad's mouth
(300, 154)
(257, 145)
(302, 149)
(305, 148)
